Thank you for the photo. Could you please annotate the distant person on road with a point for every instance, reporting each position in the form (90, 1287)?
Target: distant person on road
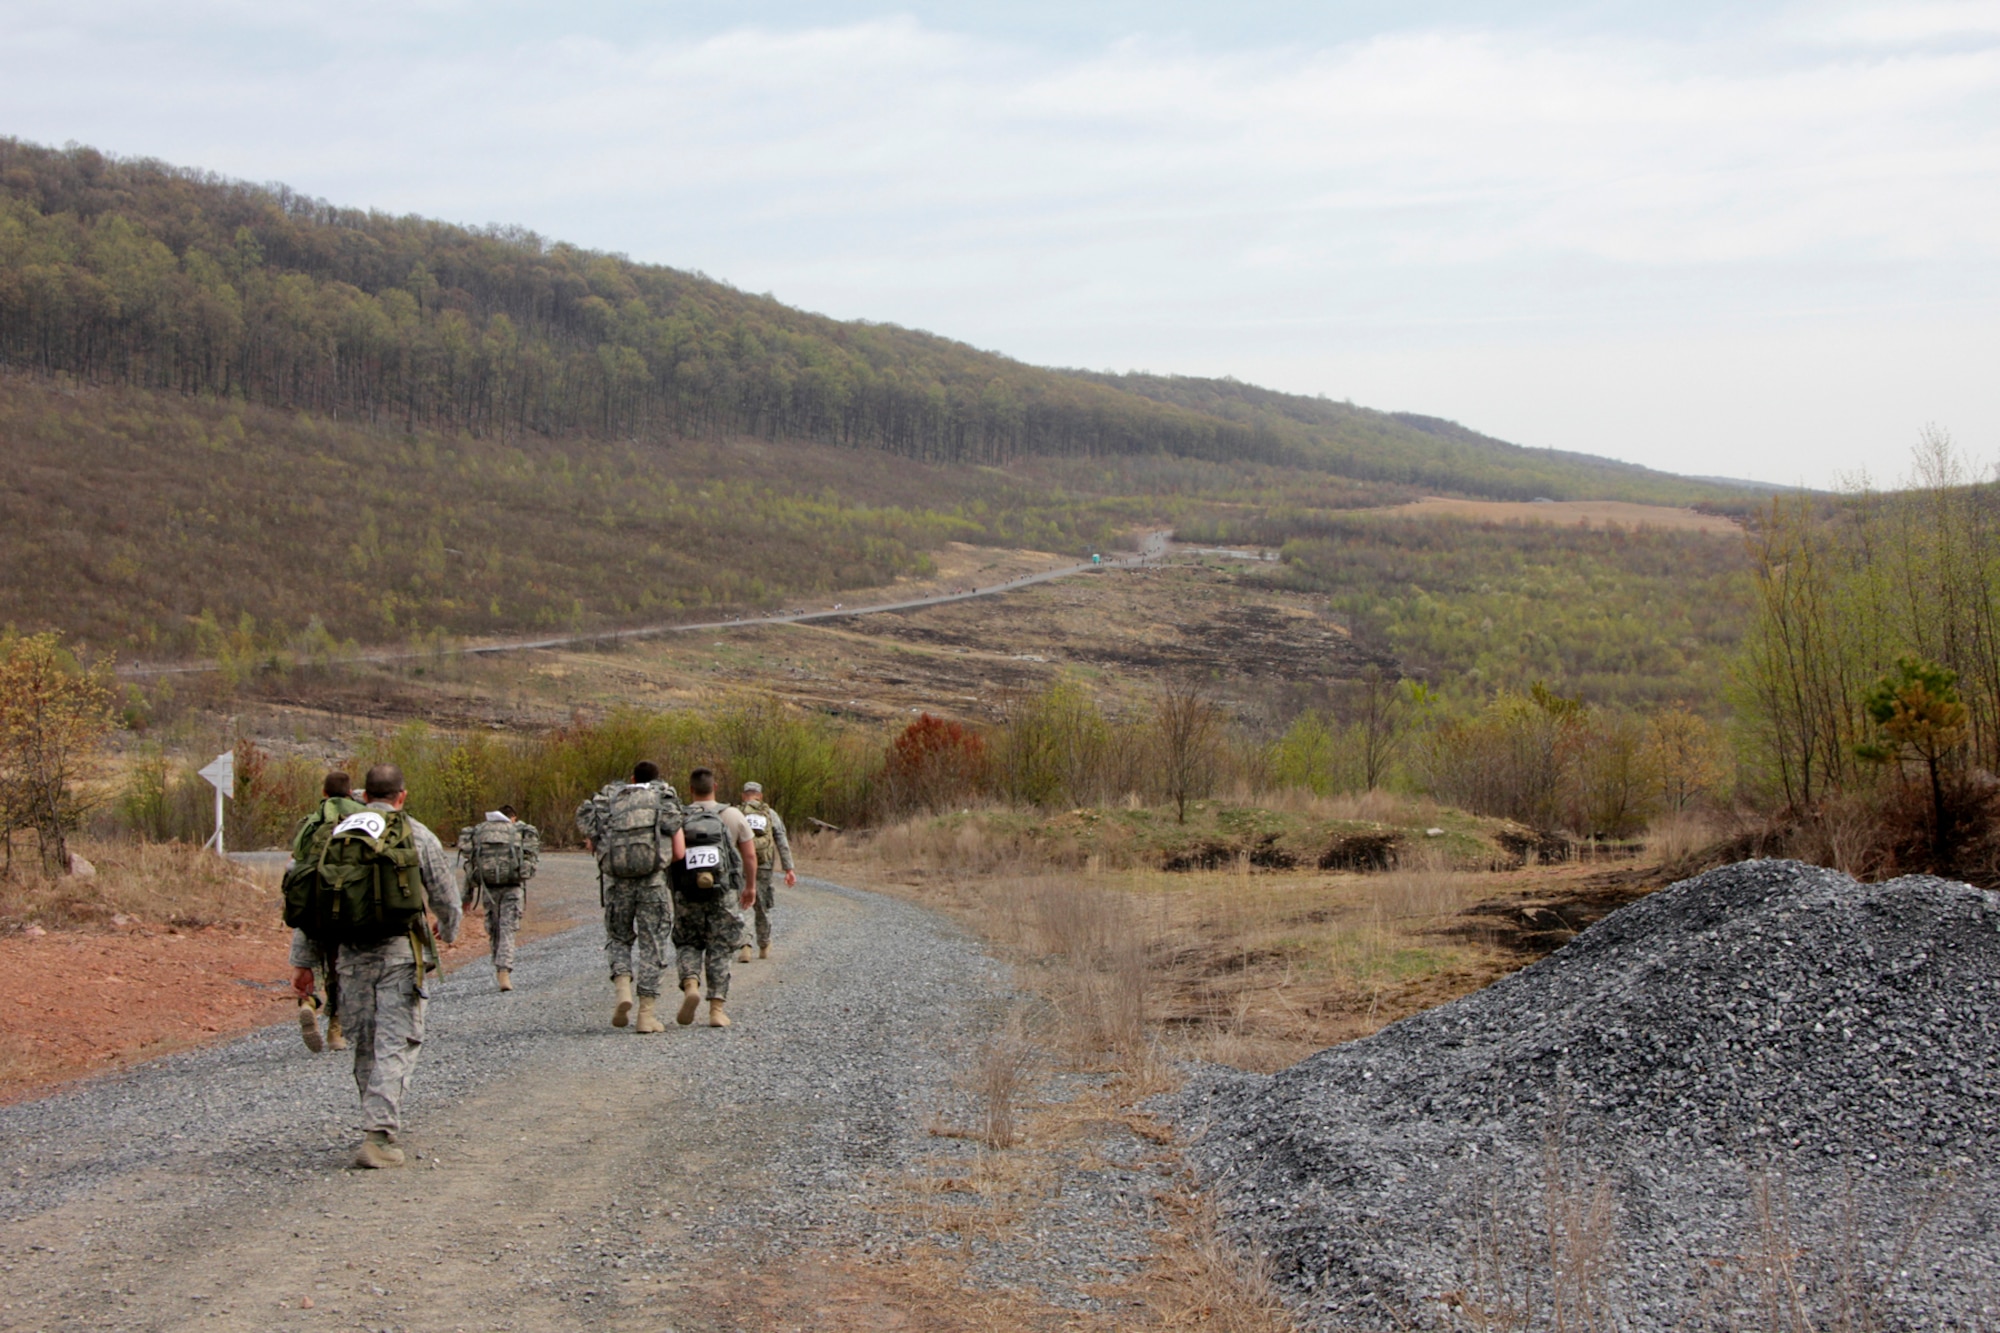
(336, 802)
(716, 875)
(634, 829)
(500, 855)
(387, 953)
(774, 850)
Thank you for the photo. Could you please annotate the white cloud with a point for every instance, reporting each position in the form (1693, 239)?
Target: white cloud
(1911, 23)
(1250, 210)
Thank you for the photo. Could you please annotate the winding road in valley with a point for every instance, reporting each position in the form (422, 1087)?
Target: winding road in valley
(1153, 547)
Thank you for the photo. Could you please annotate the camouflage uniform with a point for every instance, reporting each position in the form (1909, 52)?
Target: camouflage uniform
(706, 933)
(381, 993)
(638, 913)
(504, 905)
(774, 853)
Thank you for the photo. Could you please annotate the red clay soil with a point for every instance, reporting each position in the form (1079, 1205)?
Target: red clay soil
(77, 1002)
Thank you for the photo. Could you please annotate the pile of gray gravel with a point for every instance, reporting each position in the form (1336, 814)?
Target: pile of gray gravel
(1768, 1067)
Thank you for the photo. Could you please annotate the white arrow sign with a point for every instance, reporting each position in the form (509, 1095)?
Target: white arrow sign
(221, 775)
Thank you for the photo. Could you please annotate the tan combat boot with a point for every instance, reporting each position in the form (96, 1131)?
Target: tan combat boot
(623, 1013)
(335, 1041)
(763, 951)
(309, 1025)
(690, 1001)
(504, 977)
(743, 954)
(648, 1021)
(718, 1017)
(376, 1151)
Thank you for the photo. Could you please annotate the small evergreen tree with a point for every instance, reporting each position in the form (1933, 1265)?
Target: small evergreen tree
(1917, 713)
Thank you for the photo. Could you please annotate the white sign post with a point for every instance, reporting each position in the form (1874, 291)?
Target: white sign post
(221, 775)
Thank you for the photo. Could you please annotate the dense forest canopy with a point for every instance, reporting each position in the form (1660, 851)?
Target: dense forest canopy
(138, 273)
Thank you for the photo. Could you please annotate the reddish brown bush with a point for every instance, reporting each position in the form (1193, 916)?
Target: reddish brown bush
(933, 764)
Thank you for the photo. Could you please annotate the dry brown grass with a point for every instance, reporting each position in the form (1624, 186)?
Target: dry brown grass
(1244, 967)
(166, 883)
(1192, 1279)
(1198, 1279)
(1675, 838)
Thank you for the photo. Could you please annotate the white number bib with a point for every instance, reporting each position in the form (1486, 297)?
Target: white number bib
(367, 823)
(704, 858)
(757, 823)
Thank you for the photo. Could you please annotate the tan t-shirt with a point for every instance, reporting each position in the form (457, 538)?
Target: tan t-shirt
(732, 819)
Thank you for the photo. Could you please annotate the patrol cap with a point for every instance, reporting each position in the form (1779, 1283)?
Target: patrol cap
(753, 786)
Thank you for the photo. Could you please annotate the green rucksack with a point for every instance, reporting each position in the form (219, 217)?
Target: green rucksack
(331, 810)
(359, 881)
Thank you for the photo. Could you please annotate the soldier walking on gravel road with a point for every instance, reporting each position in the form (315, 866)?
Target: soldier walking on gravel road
(774, 852)
(378, 870)
(634, 828)
(336, 801)
(500, 855)
(717, 873)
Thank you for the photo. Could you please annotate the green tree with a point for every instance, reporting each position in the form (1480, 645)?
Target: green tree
(54, 713)
(1918, 715)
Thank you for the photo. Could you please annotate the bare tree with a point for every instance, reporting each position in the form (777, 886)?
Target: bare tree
(1187, 728)
(1381, 706)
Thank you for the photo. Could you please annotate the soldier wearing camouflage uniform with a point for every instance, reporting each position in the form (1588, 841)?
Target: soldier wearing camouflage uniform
(381, 990)
(337, 786)
(504, 902)
(706, 929)
(638, 913)
(774, 853)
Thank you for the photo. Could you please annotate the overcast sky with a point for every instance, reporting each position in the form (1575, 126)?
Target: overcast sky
(1745, 239)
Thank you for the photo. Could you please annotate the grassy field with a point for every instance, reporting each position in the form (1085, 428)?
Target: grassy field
(1231, 961)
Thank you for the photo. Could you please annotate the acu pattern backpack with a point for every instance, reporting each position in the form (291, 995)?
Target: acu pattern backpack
(498, 860)
(712, 868)
(628, 836)
(359, 882)
(758, 816)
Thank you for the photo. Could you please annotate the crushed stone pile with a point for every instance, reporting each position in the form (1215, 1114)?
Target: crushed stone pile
(1767, 1067)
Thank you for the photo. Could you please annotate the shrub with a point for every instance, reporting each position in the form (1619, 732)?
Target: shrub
(932, 765)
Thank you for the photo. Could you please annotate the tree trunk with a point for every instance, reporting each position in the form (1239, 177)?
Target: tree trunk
(1940, 837)
(54, 848)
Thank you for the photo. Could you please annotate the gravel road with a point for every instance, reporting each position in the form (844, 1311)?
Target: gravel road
(565, 1174)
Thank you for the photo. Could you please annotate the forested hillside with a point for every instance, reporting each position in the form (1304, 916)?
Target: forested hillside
(141, 274)
(151, 523)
